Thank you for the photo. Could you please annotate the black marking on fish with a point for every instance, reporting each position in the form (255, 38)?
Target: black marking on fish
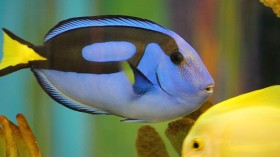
(64, 52)
(11, 69)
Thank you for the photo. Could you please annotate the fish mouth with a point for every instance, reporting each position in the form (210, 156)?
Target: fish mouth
(158, 81)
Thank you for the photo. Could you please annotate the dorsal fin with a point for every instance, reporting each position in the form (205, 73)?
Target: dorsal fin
(269, 97)
(98, 21)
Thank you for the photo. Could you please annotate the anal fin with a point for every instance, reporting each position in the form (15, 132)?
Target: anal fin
(134, 121)
(61, 98)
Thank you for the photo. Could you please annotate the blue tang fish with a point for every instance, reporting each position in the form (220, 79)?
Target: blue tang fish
(121, 65)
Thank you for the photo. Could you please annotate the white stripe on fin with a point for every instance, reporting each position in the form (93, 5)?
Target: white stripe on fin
(61, 98)
(98, 21)
(109, 51)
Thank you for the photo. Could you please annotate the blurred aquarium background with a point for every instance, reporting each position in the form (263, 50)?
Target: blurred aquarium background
(239, 42)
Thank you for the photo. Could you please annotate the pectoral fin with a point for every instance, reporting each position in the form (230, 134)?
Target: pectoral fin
(141, 84)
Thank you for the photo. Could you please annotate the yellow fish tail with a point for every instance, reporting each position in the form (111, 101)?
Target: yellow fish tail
(17, 54)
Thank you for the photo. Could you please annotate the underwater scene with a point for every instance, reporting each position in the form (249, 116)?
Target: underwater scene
(121, 78)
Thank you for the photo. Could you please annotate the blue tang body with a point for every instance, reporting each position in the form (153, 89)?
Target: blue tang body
(120, 65)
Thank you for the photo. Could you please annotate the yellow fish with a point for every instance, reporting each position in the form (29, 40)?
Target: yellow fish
(245, 126)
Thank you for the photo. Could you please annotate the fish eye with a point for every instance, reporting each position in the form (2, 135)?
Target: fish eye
(197, 144)
(176, 57)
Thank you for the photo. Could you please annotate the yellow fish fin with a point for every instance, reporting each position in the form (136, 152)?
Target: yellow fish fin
(269, 96)
(128, 71)
(16, 51)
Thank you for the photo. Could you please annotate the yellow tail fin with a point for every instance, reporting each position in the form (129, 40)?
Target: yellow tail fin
(16, 52)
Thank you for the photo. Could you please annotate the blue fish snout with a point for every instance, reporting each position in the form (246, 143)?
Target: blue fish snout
(209, 89)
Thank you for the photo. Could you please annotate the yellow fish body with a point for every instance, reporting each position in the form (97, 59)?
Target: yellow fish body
(245, 126)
